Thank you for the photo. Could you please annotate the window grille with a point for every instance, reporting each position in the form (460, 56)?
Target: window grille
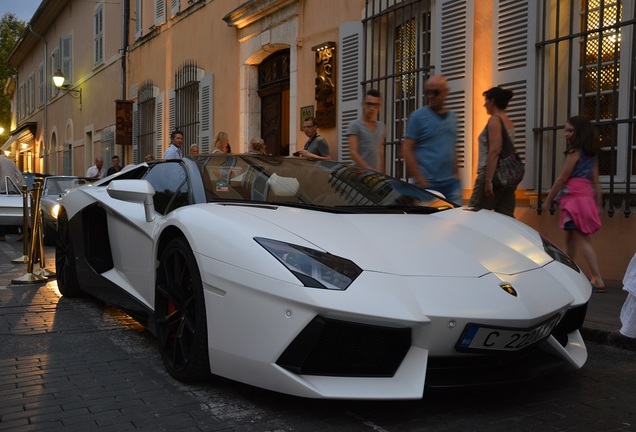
(187, 105)
(146, 130)
(397, 39)
(586, 67)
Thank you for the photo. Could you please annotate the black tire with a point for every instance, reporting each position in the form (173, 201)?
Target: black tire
(65, 270)
(50, 236)
(180, 314)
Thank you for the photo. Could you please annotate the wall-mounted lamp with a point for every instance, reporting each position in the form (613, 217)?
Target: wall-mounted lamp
(58, 81)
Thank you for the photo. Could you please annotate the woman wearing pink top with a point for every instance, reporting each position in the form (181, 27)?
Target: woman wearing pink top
(578, 194)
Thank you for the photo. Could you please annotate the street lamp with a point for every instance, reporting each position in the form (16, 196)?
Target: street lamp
(58, 81)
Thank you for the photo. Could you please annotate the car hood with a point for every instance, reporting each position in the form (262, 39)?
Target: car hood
(458, 242)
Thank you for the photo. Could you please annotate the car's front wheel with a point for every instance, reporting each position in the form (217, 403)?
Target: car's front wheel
(180, 313)
(66, 272)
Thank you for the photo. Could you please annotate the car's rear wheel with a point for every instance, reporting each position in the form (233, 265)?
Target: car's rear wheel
(65, 269)
(180, 313)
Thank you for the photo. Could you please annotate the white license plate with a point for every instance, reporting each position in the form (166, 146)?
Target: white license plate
(478, 337)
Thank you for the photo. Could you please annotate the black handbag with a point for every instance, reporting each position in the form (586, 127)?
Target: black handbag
(510, 168)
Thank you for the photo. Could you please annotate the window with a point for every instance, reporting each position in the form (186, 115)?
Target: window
(398, 50)
(99, 34)
(186, 105)
(170, 183)
(31, 97)
(42, 84)
(146, 121)
(585, 68)
(138, 19)
(66, 58)
(53, 67)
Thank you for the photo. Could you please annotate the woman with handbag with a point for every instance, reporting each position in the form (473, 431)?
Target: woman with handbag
(498, 130)
(579, 194)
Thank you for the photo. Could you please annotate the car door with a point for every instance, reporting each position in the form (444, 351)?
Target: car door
(132, 236)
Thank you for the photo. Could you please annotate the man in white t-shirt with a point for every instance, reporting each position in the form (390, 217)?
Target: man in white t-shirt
(97, 171)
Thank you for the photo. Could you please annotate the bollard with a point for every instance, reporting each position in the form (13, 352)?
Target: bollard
(43, 271)
(29, 277)
(25, 226)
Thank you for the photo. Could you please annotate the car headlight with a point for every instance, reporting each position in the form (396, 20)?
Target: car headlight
(315, 269)
(55, 210)
(558, 255)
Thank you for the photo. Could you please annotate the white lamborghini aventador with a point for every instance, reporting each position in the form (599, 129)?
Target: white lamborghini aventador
(320, 279)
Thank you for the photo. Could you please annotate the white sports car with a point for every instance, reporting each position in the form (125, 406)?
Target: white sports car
(320, 279)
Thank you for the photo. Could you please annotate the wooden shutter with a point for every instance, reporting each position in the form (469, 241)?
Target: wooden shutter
(206, 112)
(175, 7)
(160, 12)
(453, 58)
(66, 58)
(159, 145)
(172, 110)
(514, 62)
(138, 19)
(135, 135)
(351, 63)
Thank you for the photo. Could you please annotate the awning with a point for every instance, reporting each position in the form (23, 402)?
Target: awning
(25, 132)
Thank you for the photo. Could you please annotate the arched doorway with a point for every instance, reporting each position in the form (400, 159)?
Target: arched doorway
(273, 89)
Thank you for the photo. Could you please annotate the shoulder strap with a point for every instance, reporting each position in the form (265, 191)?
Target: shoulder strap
(507, 148)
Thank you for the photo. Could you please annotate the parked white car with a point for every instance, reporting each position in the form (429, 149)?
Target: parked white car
(319, 278)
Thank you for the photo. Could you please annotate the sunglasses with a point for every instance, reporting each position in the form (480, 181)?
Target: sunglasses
(432, 92)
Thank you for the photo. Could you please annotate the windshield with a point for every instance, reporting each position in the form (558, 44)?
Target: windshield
(61, 185)
(289, 181)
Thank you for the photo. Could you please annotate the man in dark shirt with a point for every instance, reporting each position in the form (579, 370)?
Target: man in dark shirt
(116, 167)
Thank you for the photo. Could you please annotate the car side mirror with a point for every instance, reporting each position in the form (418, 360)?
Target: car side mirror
(134, 191)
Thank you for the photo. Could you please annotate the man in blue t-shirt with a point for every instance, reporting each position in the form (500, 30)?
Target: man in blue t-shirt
(429, 143)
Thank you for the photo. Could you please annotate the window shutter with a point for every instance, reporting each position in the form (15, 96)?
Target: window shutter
(66, 60)
(99, 34)
(159, 148)
(175, 7)
(160, 12)
(135, 134)
(206, 112)
(453, 58)
(138, 19)
(53, 66)
(513, 68)
(172, 105)
(351, 63)
(42, 83)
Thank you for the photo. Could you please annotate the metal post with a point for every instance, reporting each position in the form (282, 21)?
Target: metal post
(25, 226)
(29, 277)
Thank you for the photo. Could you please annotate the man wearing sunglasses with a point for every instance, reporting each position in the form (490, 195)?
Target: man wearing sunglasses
(429, 143)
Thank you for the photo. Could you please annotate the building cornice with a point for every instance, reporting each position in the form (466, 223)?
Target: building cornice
(254, 10)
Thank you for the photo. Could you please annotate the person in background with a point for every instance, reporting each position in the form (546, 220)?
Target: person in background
(149, 157)
(8, 168)
(429, 143)
(221, 143)
(257, 146)
(174, 150)
(366, 135)
(628, 311)
(484, 195)
(578, 193)
(194, 150)
(96, 171)
(316, 147)
(115, 167)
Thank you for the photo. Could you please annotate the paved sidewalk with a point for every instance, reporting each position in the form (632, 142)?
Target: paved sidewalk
(601, 323)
